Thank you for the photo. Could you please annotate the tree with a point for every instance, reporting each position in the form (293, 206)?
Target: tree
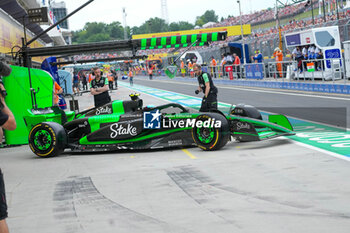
(99, 37)
(180, 26)
(115, 30)
(94, 31)
(94, 28)
(208, 16)
(154, 25)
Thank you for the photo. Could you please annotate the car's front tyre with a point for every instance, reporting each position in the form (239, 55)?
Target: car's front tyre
(47, 139)
(210, 136)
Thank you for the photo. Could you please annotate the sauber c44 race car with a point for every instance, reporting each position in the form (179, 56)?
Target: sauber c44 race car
(129, 125)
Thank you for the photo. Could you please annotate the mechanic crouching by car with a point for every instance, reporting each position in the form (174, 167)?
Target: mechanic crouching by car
(99, 88)
(209, 101)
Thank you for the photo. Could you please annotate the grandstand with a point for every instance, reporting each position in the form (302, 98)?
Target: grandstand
(264, 31)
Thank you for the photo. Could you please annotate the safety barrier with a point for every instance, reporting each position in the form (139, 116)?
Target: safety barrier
(316, 70)
(309, 70)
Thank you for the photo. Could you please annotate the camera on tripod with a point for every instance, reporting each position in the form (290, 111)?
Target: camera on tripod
(5, 70)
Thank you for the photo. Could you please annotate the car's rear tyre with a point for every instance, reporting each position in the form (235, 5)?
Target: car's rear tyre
(47, 139)
(211, 137)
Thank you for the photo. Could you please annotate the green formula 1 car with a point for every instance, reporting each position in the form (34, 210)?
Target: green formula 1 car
(129, 125)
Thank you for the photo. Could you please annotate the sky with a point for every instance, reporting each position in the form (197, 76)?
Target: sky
(138, 11)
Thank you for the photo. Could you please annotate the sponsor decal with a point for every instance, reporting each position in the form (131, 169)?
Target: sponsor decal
(103, 110)
(191, 123)
(83, 125)
(175, 142)
(151, 120)
(242, 125)
(119, 129)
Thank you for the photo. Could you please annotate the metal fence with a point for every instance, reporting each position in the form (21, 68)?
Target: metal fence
(316, 70)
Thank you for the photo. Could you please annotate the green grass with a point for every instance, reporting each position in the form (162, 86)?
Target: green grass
(285, 21)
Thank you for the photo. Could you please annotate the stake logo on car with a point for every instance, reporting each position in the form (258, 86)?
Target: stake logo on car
(103, 110)
(118, 129)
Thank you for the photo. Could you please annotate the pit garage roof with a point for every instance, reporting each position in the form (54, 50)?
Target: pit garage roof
(12, 8)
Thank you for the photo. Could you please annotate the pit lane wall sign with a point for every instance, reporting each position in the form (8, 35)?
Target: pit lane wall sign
(254, 71)
(231, 31)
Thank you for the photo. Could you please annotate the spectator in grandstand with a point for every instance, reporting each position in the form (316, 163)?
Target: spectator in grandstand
(237, 65)
(279, 58)
(99, 88)
(76, 84)
(205, 84)
(213, 65)
(257, 58)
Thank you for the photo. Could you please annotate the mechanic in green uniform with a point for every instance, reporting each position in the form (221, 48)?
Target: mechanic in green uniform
(209, 101)
(99, 88)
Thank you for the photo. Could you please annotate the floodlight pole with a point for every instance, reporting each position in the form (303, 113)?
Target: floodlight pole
(240, 21)
(278, 27)
(336, 6)
(312, 12)
(324, 11)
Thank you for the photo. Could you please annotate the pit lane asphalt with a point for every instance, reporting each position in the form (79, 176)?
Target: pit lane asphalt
(268, 186)
(330, 109)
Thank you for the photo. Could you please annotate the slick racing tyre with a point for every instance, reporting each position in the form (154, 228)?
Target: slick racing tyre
(211, 136)
(47, 139)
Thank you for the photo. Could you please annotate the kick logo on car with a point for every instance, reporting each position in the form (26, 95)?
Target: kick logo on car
(151, 120)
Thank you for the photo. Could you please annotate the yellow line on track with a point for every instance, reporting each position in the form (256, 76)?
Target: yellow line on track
(189, 154)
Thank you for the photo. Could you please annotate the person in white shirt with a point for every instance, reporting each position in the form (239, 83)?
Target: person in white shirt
(229, 59)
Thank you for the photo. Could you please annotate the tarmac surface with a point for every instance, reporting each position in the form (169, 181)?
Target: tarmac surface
(269, 186)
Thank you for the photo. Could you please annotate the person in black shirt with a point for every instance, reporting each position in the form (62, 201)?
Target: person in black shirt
(8, 122)
(99, 88)
(84, 81)
(209, 101)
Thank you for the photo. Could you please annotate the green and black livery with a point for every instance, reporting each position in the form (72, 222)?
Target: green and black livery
(119, 126)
